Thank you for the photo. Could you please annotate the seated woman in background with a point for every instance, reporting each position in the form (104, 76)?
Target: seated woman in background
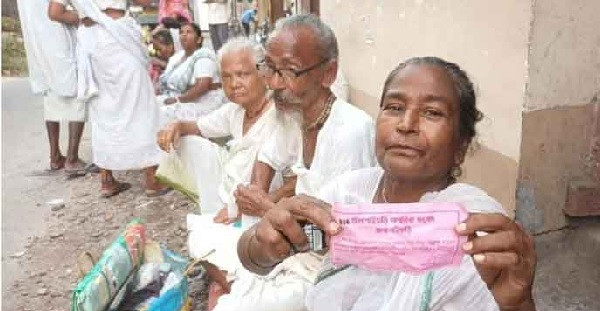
(425, 125)
(162, 42)
(190, 86)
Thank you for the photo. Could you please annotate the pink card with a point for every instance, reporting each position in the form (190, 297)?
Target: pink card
(413, 237)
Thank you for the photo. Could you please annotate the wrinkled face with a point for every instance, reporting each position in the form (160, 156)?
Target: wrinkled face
(296, 50)
(190, 40)
(418, 125)
(164, 50)
(241, 82)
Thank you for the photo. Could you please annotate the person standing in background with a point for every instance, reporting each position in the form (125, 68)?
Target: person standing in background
(53, 74)
(218, 18)
(247, 17)
(113, 61)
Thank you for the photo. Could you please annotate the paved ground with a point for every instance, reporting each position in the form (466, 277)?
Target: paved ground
(40, 247)
(568, 272)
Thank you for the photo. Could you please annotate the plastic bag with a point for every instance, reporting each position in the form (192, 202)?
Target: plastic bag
(100, 286)
(172, 172)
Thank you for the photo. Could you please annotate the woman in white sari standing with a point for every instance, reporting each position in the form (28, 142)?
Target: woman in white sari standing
(190, 86)
(112, 70)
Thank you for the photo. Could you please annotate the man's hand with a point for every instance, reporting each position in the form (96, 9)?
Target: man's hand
(168, 138)
(251, 200)
(505, 258)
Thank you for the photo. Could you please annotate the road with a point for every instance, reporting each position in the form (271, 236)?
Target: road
(24, 151)
(40, 247)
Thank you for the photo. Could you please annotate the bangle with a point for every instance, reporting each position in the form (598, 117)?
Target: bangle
(177, 100)
(262, 267)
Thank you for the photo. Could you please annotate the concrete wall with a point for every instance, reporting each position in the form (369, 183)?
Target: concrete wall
(489, 39)
(560, 120)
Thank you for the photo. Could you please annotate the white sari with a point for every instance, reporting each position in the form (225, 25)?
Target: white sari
(354, 289)
(219, 170)
(181, 73)
(123, 114)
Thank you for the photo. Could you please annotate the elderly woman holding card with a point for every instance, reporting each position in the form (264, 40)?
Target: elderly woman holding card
(425, 125)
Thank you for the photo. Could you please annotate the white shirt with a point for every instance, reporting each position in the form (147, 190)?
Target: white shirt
(218, 13)
(344, 143)
(356, 289)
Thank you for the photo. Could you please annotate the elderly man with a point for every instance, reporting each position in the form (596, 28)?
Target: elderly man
(249, 118)
(301, 65)
(319, 137)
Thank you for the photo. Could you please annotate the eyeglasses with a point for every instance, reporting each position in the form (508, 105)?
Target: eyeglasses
(268, 71)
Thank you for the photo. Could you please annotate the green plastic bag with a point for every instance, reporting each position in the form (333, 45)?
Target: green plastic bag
(100, 285)
(172, 172)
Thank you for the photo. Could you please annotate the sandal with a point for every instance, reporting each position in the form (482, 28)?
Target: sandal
(120, 187)
(151, 193)
(92, 168)
(78, 168)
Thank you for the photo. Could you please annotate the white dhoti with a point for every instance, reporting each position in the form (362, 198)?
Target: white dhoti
(123, 115)
(59, 108)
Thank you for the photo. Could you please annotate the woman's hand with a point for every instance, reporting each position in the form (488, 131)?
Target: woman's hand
(279, 234)
(505, 258)
(168, 138)
(252, 200)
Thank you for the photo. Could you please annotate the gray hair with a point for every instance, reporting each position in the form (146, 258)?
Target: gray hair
(327, 42)
(238, 44)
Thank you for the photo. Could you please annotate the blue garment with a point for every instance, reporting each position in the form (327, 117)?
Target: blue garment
(248, 16)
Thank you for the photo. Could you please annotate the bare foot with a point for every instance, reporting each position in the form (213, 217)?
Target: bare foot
(57, 164)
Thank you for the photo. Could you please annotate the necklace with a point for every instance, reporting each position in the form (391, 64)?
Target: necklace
(322, 117)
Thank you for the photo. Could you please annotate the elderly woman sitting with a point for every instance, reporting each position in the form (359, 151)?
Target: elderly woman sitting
(190, 86)
(425, 125)
(249, 118)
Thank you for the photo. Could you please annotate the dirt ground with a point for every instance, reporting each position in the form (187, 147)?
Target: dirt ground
(40, 246)
(88, 223)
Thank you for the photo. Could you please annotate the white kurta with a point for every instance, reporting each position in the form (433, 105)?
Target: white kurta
(345, 143)
(357, 289)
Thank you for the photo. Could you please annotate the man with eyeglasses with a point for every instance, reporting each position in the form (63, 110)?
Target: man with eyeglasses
(319, 137)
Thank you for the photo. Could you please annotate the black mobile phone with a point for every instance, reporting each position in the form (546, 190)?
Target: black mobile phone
(315, 236)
